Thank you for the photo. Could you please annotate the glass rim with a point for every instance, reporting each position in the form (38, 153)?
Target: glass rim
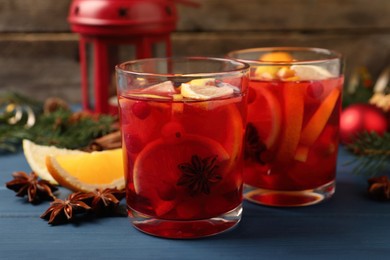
(244, 66)
(332, 55)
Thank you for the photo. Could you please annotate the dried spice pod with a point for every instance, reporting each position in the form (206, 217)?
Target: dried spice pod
(61, 211)
(379, 188)
(35, 189)
(106, 202)
(199, 174)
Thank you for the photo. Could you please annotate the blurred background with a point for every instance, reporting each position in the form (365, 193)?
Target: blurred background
(39, 53)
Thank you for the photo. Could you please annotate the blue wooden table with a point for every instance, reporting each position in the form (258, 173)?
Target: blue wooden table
(348, 226)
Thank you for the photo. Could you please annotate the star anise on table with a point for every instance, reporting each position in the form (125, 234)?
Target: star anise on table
(106, 202)
(379, 188)
(35, 189)
(61, 211)
(199, 174)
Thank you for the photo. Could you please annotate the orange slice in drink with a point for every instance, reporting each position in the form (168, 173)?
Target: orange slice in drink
(278, 56)
(292, 125)
(316, 124)
(265, 114)
(222, 117)
(156, 172)
(270, 72)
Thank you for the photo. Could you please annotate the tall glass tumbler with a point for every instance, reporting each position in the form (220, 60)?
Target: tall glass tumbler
(294, 104)
(183, 124)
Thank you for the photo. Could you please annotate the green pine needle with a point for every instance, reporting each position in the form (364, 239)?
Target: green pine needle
(58, 128)
(373, 153)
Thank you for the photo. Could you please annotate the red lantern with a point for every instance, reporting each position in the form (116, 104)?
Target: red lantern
(112, 31)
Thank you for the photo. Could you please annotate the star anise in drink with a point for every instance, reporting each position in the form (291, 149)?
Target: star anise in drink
(379, 188)
(199, 174)
(254, 147)
(35, 189)
(106, 202)
(61, 211)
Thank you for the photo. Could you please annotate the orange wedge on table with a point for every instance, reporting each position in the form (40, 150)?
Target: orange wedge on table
(88, 171)
(35, 155)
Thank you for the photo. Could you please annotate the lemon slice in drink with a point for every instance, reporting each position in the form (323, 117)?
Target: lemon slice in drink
(36, 154)
(163, 88)
(311, 72)
(205, 92)
(88, 171)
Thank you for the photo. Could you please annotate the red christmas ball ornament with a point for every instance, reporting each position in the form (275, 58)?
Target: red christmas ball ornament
(360, 118)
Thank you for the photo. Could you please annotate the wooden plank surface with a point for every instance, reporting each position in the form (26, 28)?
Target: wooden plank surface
(38, 53)
(348, 226)
(259, 15)
(220, 15)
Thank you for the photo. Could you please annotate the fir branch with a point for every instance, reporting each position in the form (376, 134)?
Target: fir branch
(372, 151)
(62, 129)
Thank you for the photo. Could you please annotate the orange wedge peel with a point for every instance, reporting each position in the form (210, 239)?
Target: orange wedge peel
(35, 155)
(88, 171)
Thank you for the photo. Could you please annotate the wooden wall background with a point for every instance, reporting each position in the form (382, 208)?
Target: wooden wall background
(38, 53)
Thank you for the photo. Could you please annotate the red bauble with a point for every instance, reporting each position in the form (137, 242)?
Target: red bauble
(360, 118)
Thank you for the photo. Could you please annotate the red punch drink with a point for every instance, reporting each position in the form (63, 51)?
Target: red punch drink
(293, 123)
(183, 124)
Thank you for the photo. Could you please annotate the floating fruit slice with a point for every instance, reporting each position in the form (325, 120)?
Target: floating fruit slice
(162, 156)
(36, 154)
(223, 123)
(266, 115)
(88, 171)
(316, 124)
(277, 56)
(165, 88)
(144, 96)
(135, 114)
(266, 72)
(293, 117)
(205, 92)
(270, 72)
(311, 72)
(156, 172)
(202, 82)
